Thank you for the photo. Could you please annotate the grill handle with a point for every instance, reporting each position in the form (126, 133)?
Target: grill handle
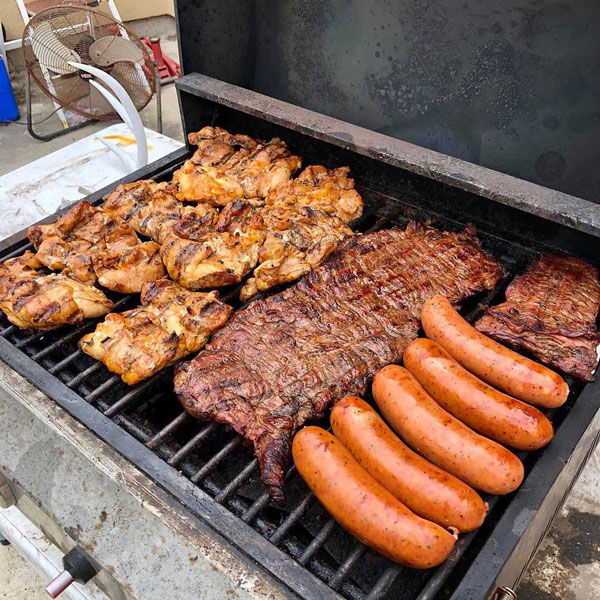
(79, 567)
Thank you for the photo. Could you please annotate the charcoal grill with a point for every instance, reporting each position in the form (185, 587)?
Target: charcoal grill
(203, 475)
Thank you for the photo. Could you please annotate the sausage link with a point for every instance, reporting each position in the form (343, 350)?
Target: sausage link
(475, 403)
(426, 489)
(442, 439)
(504, 369)
(363, 506)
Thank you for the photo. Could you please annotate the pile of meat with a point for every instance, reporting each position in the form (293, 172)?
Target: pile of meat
(286, 358)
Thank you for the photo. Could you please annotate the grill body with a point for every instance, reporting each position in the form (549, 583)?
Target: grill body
(213, 481)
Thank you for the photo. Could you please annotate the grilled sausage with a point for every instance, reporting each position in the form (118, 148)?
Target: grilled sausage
(363, 506)
(475, 403)
(426, 489)
(504, 369)
(442, 439)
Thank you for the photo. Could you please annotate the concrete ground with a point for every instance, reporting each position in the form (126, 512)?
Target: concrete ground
(567, 566)
(18, 581)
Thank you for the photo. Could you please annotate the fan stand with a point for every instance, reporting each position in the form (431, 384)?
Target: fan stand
(119, 99)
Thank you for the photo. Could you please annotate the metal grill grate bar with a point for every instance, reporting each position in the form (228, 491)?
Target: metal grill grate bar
(101, 389)
(216, 459)
(317, 541)
(293, 518)
(167, 430)
(65, 361)
(193, 443)
(384, 583)
(131, 396)
(345, 567)
(238, 480)
(93, 368)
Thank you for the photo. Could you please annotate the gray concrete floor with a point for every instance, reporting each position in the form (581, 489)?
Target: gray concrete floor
(18, 581)
(567, 566)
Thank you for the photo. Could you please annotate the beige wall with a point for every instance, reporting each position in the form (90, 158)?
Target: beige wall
(129, 9)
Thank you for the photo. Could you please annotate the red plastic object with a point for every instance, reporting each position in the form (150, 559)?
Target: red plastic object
(59, 584)
(167, 68)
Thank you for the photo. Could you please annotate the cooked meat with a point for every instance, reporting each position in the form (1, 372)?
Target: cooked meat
(284, 359)
(331, 192)
(227, 168)
(151, 209)
(295, 244)
(200, 254)
(128, 271)
(88, 242)
(551, 312)
(170, 324)
(32, 300)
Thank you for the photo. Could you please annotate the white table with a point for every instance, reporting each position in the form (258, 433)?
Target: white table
(41, 187)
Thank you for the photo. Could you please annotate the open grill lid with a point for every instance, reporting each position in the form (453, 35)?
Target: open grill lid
(513, 87)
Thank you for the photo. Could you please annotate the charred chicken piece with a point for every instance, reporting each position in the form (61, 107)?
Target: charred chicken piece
(229, 167)
(204, 255)
(32, 300)
(88, 242)
(329, 191)
(170, 324)
(151, 209)
(295, 244)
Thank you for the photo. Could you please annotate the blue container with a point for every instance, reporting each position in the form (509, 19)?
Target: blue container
(8, 105)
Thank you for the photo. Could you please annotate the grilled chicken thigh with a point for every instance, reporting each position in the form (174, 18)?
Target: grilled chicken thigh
(203, 255)
(32, 300)
(329, 191)
(92, 245)
(151, 209)
(295, 244)
(229, 167)
(170, 324)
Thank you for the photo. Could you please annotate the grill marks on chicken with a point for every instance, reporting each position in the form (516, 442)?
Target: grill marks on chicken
(170, 323)
(200, 254)
(92, 246)
(306, 220)
(32, 300)
(152, 210)
(551, 311)
(228, 167)
(284, 359)
(294, 244)
(328, 191)
(290, 232)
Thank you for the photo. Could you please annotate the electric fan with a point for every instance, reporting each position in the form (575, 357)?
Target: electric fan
(90, 64)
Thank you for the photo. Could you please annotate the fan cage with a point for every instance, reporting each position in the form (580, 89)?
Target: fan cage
(60, 34)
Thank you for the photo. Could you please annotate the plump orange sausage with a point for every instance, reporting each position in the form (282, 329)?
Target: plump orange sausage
(363, 506)
(442, 439)
(489, 360)
(426, 489)
(475, 403)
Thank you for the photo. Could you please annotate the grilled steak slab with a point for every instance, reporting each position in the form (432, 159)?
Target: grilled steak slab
(551, 311)
(286, 358)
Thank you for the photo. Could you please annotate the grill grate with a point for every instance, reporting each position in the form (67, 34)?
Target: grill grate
(216, 461)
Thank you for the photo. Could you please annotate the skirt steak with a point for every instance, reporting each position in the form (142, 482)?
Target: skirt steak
(286, 358)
